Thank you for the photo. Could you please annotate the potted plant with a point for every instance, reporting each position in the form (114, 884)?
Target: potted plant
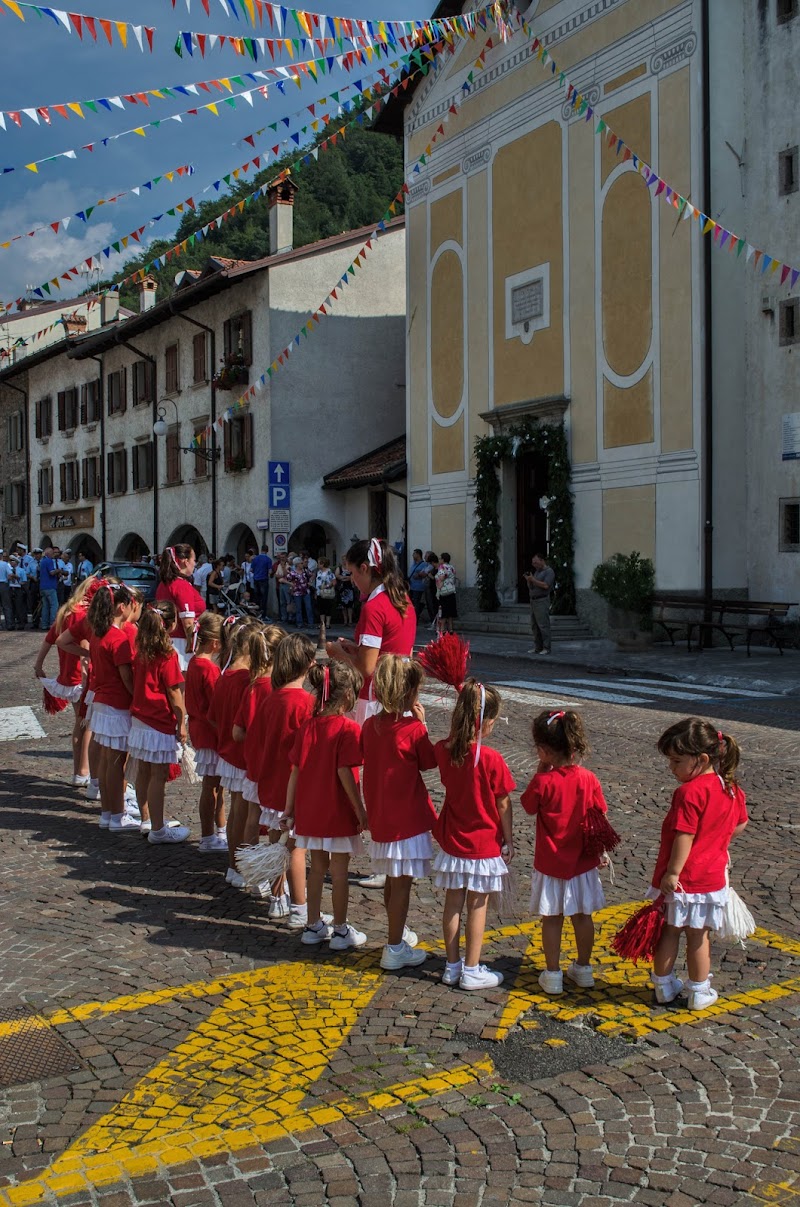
(232, 372)
(626, 582)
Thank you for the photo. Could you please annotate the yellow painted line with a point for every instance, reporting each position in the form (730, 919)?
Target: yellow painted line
(779, 1192)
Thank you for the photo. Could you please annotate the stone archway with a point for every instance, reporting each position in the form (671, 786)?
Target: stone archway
(131, 548)
(313, 536)
(239, 540)
(187, 534)
(84, 545)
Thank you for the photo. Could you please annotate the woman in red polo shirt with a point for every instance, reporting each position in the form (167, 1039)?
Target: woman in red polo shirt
(175, 571)
(387, 623)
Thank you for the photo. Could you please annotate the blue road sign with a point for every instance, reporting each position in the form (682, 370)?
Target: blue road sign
(280, 497)
(279, 474)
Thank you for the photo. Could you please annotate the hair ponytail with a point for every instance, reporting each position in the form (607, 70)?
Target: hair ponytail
(156, 621)
(728, 759)
(168, 568)
(336, 686)
(396, 683)
(467, 715)
(106, 600)
(694, 736)
(382, 560)
(294, 655)
(261, 645)
(562, 732)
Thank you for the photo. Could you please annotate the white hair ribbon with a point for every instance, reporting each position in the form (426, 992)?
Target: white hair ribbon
(554, 716)
(375, 555)
(480, 725)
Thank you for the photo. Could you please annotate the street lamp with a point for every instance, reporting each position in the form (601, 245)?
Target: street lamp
(161, 427)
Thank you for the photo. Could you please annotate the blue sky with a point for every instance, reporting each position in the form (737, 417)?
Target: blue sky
(43, 65)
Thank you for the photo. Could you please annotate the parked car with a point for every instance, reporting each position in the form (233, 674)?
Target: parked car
(133, 574)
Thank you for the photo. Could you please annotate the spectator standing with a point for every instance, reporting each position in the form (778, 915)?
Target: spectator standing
(67, 567)
(17, 580)
(261, 570)
(431, 602)
(5, 590)
(418, 580)
(325, 583)
(299, 586)
(213, 585)
(541, 580)
(446, 583)
(30, 564)
(280, 572)
(85, 568)
(48, 588)
(347, 592)
(201, 573)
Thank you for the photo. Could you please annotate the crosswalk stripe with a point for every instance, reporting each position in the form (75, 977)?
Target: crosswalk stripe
(19, 723)
(580, 692)
(705, 688)
(673, 691)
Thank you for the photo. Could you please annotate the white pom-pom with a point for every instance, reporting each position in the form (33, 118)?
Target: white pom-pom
(264, 862)
(738, 923)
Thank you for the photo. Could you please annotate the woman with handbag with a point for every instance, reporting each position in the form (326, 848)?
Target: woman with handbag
(325, 584)
(446, 583)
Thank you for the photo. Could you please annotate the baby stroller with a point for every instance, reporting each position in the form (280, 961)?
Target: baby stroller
(232, 601)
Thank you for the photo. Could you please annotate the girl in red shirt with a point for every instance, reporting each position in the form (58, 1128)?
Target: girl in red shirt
(396, 748)
(225, 699)
(708, 809)
(263, 643)
(175, 570)
(473, 831)
(158, 719)
(323, 803)
(112, 609)
(202, 675)
(387, 623)
(565, 880)
(269, 740)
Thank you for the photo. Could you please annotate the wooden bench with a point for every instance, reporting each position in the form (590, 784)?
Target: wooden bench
(729, 617)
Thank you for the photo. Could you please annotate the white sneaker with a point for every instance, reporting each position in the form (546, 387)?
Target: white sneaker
(580, 975)
(121, 823)
(93, 790)
(262, 890)
(234, 879)
(533, 651)
(342, 941)
(320, 932)
(169, 834)
(213, 842)
(410, 937)
(279, 907)
(666, 988)
(480, 978)
(543, 653)
(145, 826)
(701, 995)
(132, 809)
(298, 918)
(376, 881)
(80, 781)
(452, 973)
(104, 821)
(551, 982)
(402, 956)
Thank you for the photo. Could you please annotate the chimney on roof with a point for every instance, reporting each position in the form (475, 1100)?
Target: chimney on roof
(147, 294)
(281, 216)
(109, 307)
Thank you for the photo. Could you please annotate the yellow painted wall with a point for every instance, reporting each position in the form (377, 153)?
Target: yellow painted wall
(628, 413)
(448, 534)
(676, 267)
(478, 301)
(627, 295)
(629, 521)
(447, 220)
(447, 334)
(583, 343)
(417, 252)
(527, 230)
(447, 448)
(448, 175)
(632, 123)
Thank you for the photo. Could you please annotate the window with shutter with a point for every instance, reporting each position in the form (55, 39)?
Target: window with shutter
(173, 457)
(71, 408)
(172, 382)
(246, 337)
(84, 403)
(94, 395)
(62, 473)
(110, 473)
(247, 424)
(40, 483)
(202, 467)
(62, 410)
(239, 443)
(199, 370)
(228, 345)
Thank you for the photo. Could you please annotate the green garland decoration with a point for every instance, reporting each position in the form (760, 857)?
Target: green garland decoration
(550, 441)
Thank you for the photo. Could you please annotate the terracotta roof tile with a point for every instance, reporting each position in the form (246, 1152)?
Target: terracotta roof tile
(384, 464)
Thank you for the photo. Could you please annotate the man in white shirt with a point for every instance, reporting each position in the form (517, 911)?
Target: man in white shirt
(201, 574)
(5, 591)
(17, 580)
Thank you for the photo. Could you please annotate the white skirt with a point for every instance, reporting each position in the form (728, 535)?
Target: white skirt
(111, 726)
(365, 709)
(232, 778)
(179, 645)
(349, 845)
(270, 818)
(698, 911)
(404, 857)
(151, 745)
(476, 875)
(250, 792)
(61, 691)
(579, 895)
(205, 762)
(89, 702)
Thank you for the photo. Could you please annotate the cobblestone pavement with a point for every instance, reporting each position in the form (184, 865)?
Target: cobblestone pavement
(191, 1053)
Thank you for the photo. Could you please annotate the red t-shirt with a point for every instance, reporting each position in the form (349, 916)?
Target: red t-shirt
(272, 734)
(469, 825)
(69, 666)
(108, 654)
(79, 630)
(202, 675)
(322, 808)
(151, 678)
(395, 750)
(381, 627)
(705, 808)
(559, 800)
(188, 602)
(252, 701)
(225, 702)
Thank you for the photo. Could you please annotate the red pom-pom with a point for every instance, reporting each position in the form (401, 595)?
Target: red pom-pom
(174, 772)
(599, 836)
(640, 936)
(445, 658)
(52, 704)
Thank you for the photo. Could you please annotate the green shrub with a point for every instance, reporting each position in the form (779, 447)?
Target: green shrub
(627, 582)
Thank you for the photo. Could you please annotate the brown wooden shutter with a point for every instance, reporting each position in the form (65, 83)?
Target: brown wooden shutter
(247, 337)
(38, 428)
(123, 391)
(84, 404)
(110, 393)
(62, 397)
(110, 473)
(226, 444)
(62, 470)
(199, 357)
(227, 338)
(247, 439)
(136, 452)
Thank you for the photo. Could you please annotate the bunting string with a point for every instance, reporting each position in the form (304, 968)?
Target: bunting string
(81, 23)
(346, 61)
(85, 214)
(96, 261)
(62, 321)
(723, 239)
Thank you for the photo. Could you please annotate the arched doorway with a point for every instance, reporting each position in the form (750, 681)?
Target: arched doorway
(239, 540)
(131, 548)
(312, 536)
(84, 545)
(187, 534)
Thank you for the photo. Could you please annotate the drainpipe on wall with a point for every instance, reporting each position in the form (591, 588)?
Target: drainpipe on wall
(213, 418)
(27, 449)
(152, 359)
(708, 375)
(99, 361)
